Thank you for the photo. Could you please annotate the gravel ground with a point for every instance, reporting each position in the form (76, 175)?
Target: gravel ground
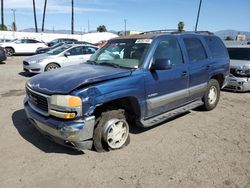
(198, 149)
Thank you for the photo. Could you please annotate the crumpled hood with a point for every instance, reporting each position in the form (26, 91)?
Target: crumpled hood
(65, 80)
(37, 57)
(240, 64)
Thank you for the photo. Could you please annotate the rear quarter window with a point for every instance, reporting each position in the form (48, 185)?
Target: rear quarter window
(195, 49)
(216, 47)
(239, 53)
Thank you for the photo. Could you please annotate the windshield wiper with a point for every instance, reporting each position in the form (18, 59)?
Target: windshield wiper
(91, 62)
(110, 64)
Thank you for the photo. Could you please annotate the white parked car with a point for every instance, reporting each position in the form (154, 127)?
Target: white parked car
(68, 54)
(22, 46)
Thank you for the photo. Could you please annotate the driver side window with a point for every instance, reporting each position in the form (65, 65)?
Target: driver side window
(169, 49)
(76, 51)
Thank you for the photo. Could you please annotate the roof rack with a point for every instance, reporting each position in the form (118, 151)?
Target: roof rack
(159, 31)
(175, 31)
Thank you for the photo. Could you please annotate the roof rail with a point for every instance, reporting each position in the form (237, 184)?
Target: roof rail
(175, 31)
(204, 32)
(160, 31)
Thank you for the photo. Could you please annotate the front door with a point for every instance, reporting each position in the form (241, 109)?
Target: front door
(167, 89)
(74, 56)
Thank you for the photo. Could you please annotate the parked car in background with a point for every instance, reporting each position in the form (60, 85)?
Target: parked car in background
(239, 79)
(55, 41)
(65, 55)
(22, 46)
(2, 54)
(138, 80)
(44, 50)
(5, 40)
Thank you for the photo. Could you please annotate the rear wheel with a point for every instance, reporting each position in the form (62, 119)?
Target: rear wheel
(212, 95)
(112, 131)
(9, 51)
(51, 66)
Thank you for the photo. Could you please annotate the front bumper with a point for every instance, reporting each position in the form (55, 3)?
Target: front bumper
(239, 84)
(33, 68)
(76, 134)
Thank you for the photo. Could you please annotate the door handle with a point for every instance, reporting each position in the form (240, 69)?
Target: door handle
(184, 73)
(207, 66)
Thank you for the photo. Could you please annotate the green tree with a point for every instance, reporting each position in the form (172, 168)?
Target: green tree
(181, 26)
(3, 27)
(102, 28)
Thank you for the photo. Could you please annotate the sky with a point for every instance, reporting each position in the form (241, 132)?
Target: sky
(141, 15)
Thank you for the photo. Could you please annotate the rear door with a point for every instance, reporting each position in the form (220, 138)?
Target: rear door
(166, 89)
(199, 66)
(87, 52)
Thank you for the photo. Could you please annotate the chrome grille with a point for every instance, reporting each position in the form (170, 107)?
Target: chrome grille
(37, 100)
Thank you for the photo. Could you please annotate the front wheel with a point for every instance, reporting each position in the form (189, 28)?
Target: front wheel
(51, 66)
(9, 51)
(112, 131)
(212, 95)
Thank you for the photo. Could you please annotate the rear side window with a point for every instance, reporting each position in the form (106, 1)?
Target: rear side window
(195, 49)
(89, 50)
(239, 53)
(216, 47)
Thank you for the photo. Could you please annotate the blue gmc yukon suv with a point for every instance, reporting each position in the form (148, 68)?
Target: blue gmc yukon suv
(138, 80)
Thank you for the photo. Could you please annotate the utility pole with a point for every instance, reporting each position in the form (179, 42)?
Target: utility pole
(14, 17)
(198, 16)
(2, 18)
(34, 10)
(72, 17)
(44, 11)
(88, 26)
(125, 27)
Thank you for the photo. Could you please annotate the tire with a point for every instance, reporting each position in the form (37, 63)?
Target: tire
(51, 66)
(9, 51)
(108, 123)
(212, 95)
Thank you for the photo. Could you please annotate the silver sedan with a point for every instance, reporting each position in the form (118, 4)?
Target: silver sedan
(59, 57)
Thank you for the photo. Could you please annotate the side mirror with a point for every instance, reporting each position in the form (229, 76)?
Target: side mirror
(161, 64)
(66, 54)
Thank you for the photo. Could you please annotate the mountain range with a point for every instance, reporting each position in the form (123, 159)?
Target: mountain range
(222, 33)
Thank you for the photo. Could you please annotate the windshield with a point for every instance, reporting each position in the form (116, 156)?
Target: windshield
(58, 50)
(56, 45)
(239, 53)
(126, 53)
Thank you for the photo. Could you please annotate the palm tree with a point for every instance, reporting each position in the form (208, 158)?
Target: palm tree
(181, 26)
(34, 10)
(44, 11)
(72, 17)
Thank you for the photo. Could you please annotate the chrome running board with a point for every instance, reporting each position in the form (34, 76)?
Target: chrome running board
(167, 115)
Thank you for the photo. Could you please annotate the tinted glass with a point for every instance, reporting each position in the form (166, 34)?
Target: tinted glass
(216, 47)
(239, 53)
(195, 49)
(169, 49)
(76, 51)
(89, 50)
(31, 41)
